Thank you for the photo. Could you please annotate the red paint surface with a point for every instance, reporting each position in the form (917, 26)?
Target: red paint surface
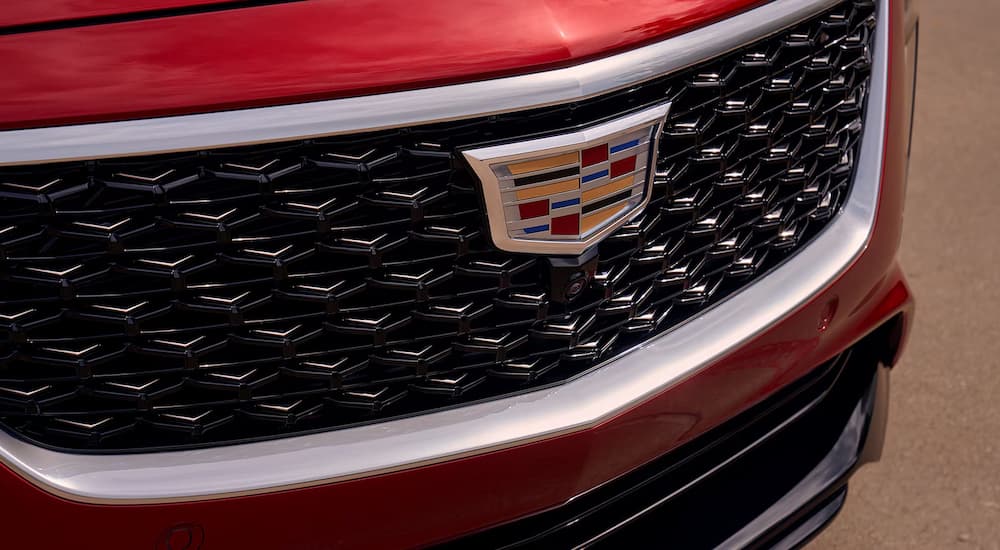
(594, 155)
(28, 12)
(566, 225)
(313, 50)
(443, 500)
(533, 209)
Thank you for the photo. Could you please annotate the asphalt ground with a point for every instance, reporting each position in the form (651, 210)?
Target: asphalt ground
(938, 484)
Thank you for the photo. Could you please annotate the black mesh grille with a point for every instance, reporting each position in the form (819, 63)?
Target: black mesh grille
(228, 295)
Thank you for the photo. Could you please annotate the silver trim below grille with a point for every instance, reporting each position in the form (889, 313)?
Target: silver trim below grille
(400, 444)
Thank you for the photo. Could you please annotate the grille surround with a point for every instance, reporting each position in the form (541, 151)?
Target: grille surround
(617, 96)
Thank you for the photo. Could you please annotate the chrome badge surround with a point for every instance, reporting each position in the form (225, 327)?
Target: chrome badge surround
(562, 181)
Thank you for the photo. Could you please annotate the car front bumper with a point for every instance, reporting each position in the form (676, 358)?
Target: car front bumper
(414, 502)
(773, 476)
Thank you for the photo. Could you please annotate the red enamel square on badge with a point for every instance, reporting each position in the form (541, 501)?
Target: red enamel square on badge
(594, 155)
(533, 209)
(622, 166)
(565, 225)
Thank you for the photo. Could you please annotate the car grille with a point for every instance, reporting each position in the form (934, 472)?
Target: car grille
(235, 294)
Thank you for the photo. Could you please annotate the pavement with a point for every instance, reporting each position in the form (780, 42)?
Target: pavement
(938, 484)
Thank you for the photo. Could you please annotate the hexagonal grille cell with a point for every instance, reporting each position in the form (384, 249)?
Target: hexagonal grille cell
(236, 294)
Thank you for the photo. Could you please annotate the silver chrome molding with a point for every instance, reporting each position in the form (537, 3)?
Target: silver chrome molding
(393, 110)
(315, 459)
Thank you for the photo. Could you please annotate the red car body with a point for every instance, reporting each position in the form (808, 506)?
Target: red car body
(79, 62)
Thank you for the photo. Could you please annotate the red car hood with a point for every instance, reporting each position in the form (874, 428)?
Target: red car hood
(23, 13)
(69, 61)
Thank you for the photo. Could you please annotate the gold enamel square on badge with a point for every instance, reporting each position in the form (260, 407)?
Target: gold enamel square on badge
(560, 195)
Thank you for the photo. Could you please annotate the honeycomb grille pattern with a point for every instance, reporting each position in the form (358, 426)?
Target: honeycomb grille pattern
(236, 294)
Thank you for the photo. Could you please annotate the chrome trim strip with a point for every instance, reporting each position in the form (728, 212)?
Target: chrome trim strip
(315, 459)
(393, 110)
